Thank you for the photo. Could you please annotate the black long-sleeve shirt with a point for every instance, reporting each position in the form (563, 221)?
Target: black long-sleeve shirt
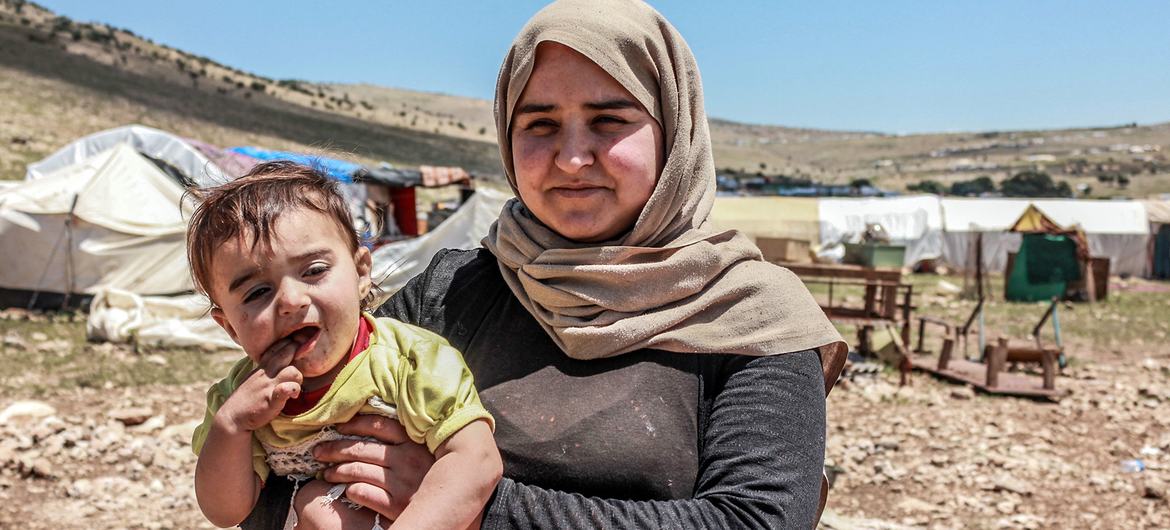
(649, 439)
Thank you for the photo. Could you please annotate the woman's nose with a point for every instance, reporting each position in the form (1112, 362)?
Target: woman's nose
(576, 150)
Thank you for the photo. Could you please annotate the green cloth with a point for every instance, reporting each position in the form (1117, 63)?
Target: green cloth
(1042, 268)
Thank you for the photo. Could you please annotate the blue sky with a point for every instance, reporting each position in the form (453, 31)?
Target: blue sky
(894, 66)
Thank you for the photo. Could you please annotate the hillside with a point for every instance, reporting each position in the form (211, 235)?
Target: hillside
(62, 79)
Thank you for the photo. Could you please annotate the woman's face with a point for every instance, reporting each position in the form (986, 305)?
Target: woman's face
(585, 152)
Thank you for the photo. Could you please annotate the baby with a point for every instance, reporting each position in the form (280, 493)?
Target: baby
(277, 254)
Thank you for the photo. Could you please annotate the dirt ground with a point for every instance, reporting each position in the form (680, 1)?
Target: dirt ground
(98, 433)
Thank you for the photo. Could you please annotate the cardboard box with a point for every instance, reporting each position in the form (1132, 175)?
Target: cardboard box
(782, 249)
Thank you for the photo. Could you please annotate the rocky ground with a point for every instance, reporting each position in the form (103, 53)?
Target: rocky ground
(928, 455)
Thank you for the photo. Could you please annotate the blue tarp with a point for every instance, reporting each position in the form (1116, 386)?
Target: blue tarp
(339, 170)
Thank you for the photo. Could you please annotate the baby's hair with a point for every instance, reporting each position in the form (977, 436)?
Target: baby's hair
(252, 204)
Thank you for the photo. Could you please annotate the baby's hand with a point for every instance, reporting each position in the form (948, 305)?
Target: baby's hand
(261, 397)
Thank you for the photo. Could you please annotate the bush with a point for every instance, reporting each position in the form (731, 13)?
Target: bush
(928, 186)
(974, 187)
(1034, 184)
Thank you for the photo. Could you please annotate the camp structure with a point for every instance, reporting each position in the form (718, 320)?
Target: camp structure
(1052, 262)
(173, 155)
(1158, 215)
(398, 262)
(112, 219)
(117, 315)
(1118, 230)
(913, 221)
(381, 200)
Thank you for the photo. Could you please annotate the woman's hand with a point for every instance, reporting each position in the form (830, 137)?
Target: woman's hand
(382, 476)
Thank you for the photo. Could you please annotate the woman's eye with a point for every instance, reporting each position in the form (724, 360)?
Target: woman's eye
(609, 120)
(540, 126)
(255, 294)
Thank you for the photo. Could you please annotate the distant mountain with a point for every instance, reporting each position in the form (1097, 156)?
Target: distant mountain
(61, 79)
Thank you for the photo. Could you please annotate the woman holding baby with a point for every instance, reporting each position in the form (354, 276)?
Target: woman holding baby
(643, 371)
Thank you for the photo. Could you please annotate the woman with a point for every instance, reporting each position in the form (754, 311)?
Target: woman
(644, 372)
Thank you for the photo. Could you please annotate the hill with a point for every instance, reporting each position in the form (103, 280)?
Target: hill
(62, 79)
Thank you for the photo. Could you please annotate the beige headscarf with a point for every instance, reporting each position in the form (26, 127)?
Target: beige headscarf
(669, 283)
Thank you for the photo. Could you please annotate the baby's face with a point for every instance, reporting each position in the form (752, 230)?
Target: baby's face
(306, 286)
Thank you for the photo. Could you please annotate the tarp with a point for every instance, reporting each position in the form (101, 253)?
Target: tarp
(786, 217)
(122, 316)
(339, 170)
(153, 143)
(1115, 229)
(914, 221)
(127, 230)
(233, 164)
(1157, 211)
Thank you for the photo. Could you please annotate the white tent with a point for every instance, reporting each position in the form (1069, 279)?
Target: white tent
(153, 143)
(1118, 230)
(111, 220)
(117, 315)
(914, 221)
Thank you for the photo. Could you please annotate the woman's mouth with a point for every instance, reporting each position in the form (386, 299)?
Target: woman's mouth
(577, 193)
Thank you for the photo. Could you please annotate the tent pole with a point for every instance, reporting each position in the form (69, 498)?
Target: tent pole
(69, 254)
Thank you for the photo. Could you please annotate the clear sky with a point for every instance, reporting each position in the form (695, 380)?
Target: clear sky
(895, 66)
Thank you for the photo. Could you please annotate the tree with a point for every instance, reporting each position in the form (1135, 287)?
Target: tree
(928, 186)
(1034, 184)
(975, 187)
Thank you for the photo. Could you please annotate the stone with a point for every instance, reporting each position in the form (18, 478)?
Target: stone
(1012, 485)
(1154, 489)
(131, 415)
(26, 409)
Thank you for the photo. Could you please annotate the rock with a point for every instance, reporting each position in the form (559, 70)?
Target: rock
(80, 488)
(28, 409)
(963, 392)
(38, 336)
(182, 432)
(59, 346)
(1012, 485)
(156, 359)
(1154, 489)
(912, 505)
(13, 340)
(151, 425)
(131, 415)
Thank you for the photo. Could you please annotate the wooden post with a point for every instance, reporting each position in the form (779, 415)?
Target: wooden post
(906, 312)
(921, 335)
(944, 356)
(1048, 364)
(979, 265)
(996, 361)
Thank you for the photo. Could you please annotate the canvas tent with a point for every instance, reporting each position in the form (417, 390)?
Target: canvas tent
(110, 220)
(167, 150)
(1117, 230)
(913, 221)
(1158, 215)
(117, 315)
